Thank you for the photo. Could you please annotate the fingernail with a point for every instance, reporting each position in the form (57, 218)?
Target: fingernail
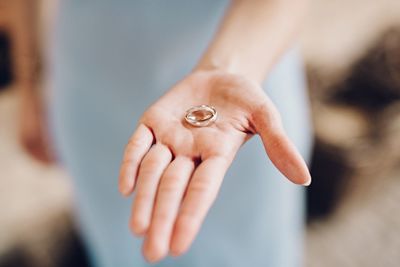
(307, 183)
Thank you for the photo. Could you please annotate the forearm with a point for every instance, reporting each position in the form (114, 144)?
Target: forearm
(253, 35)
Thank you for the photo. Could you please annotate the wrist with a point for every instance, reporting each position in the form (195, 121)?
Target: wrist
(222, 63)
(229, 65)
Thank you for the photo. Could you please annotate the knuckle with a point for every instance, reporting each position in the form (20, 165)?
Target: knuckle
(130, 151)
(143, 197)
(127, 163)
(170, 184)
(199, 187)
(162, 216)
(169, 188)
(148, 166)
(133, 143)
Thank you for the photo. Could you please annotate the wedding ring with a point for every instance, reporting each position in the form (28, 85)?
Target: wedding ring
(201, 116)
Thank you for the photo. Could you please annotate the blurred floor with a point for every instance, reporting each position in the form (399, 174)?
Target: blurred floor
(365, 230)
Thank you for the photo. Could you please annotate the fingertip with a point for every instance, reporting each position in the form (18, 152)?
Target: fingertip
(308, 182)
(153, 252)
(306, 175)
(175, 246)
(124, 188)
(176, 251)
(138, 227)
(300, 176)
(126, 182)
(180, 240)
(289, 162)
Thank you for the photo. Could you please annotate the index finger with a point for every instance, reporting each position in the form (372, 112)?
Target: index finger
(138, 145)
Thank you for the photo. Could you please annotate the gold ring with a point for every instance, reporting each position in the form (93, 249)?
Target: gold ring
(201, 116)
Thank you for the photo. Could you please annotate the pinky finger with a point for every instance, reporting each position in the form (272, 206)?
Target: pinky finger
(137, 147)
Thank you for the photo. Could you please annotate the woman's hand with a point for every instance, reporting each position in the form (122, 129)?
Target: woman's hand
(32, 129)
(177, 169)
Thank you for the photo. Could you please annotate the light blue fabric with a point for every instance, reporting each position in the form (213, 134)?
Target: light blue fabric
(109, 61)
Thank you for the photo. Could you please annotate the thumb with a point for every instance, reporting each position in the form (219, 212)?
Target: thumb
(281, 151)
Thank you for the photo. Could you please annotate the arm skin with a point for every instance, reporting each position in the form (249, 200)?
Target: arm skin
(253, 35)
(177, 170)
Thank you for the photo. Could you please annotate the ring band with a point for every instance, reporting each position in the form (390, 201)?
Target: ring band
(201, 116)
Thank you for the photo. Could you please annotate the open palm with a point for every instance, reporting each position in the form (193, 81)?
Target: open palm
(176, 169)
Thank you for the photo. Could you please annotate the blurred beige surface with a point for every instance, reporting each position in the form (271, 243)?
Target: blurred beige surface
(364, 229)
(337, 32)
(35, 201)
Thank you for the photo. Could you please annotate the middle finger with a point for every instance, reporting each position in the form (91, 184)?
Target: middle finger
(169, 196)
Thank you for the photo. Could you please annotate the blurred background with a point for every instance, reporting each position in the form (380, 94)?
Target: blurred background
(352, 55)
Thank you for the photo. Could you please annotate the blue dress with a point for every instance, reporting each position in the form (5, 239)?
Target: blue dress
(109, 61)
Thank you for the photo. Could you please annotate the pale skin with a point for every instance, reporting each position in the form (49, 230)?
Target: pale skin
(175, 169)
